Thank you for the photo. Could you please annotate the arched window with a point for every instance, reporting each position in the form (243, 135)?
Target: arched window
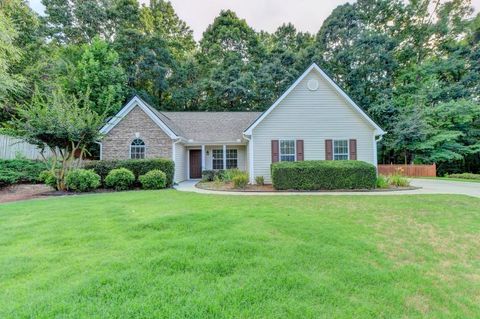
(137, 149)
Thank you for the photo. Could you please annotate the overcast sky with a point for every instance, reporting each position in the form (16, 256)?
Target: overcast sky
(306, 15)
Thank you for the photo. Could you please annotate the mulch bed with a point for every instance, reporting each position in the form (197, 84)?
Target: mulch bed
(29, 191)
(228, 187)
(23, 191)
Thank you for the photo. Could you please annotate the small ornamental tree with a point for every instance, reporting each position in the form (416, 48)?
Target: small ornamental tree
(62, 123)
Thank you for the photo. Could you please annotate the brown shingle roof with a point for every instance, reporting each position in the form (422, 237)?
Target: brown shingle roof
(210, 126)
(207, 126)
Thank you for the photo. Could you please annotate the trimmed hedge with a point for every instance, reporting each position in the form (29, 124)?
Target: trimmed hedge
(319, 175)
(138, 167)
(20, 171)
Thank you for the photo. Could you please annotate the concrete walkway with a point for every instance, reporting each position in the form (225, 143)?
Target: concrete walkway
(428, 186)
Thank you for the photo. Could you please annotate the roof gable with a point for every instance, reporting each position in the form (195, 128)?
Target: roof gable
(314, 67)
(136, 101)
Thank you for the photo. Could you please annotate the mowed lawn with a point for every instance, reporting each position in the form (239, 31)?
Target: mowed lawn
(166, 254)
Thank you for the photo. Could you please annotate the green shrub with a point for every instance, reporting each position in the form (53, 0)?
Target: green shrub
(8, 177)
(464, 176)
(82, 180)
(155, 179)
(398, 180)
(240, 180)
(20, 171)
(210, 175)
(48, 178)
(260, 180)
(382, 182)
(120, 179)
(137, 167)
(229, 174)
(317, 175)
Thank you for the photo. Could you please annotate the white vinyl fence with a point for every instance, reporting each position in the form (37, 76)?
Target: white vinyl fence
(11, 147)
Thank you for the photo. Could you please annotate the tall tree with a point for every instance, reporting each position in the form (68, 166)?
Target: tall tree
(78, 21)
(10, 82)
(97, 72)
(229, 58)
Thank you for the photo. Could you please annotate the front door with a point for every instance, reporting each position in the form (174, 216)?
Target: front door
(195, 164)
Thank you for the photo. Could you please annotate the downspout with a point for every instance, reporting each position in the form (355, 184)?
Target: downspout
(173, 158)
(250, 158)
(376, 150)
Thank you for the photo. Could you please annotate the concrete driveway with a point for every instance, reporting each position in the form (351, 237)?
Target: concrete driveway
(428, 186)
(440, 186)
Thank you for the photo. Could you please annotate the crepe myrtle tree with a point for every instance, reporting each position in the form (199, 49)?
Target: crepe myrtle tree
(62, 123)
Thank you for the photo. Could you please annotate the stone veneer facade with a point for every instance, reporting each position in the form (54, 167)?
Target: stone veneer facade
(116, 144)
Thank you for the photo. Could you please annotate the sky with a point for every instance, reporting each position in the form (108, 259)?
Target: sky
(306, 15)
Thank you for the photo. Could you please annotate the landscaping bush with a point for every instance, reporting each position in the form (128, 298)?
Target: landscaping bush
(465, 176)
(317, 175)
(229, 174)
(240, 180)
(398, 180)
(382, 182)
(8, 177)
(47, 178)
(82, 180)
(137, 167)
(208, 175)
(120, 179)
(211, 175)
(260, 180)
(20, 171)
(155, 179)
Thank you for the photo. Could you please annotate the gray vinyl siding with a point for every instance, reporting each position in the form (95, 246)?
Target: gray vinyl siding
(312, 116)
(180, 162)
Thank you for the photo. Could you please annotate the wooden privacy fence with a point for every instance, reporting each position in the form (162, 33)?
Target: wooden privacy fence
(11, 148)
(408, 170)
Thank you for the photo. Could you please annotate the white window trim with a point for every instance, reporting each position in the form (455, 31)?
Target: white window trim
(280, 149)
(348, 149)
(226, 158)
(217, 149)
(130, 149)
(223, 156)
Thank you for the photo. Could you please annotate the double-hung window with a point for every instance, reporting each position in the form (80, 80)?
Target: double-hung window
(232, 158)
(340, 150)
(287, 151)
(217, 159)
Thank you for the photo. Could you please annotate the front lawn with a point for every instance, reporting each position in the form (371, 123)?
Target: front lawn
(167, 254)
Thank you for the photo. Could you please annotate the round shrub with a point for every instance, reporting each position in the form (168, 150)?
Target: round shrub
(47, 178)
(120, 179)
(155, 179)
(82, 180)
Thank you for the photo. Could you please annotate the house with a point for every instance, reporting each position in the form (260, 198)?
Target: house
(313, 120)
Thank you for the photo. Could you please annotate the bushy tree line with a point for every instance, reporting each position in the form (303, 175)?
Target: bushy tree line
(412, 65)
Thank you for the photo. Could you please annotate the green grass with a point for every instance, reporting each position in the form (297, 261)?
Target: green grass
(166, 254)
